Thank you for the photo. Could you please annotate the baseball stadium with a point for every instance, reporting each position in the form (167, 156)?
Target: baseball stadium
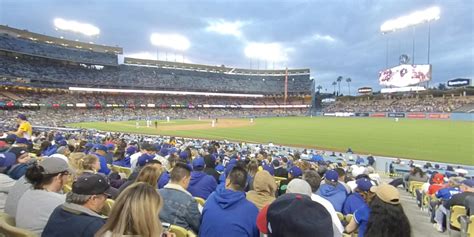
(97, 140)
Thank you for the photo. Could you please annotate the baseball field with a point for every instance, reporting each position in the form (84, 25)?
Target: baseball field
(433, 140)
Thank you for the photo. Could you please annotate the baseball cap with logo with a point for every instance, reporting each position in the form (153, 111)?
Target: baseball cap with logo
(18, 151)
(91, 184)
(198, 162)
(387, 193)
(295, 171)
(297, 215)
(53, 165)
(364, 184)
(331, 175)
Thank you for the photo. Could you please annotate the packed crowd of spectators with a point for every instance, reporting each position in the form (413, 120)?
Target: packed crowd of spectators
(67, 97)
(59, 117)
(425, 104)
(43, 72)
(55, 51)
(212, 188)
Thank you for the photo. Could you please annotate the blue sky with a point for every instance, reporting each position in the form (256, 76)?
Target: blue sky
(331, 38)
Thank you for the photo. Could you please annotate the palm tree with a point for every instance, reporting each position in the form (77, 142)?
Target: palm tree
(348, 80)
(319, 88)
(339, 79)
(334, 84)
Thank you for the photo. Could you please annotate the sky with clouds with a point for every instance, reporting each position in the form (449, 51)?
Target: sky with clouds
(332, 38)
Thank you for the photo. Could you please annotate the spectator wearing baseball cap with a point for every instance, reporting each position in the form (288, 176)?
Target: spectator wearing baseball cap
(330, 190)
(437, 183)
(201, 184)
(314, 180)
(79, 217)
(227, 212)
(100, 152)
(17, 168)
(264, 188)
(36, 205)
(384, 216)
(294, 215)
(24, 127)
(358, 198)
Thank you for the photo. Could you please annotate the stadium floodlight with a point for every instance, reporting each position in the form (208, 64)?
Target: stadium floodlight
(415, 18)
(267, 51)
(172, 41)
(78, 27)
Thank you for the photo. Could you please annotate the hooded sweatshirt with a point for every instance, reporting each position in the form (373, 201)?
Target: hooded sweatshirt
(334, 195)
(264, 188)
(201, 184)
(228, 213)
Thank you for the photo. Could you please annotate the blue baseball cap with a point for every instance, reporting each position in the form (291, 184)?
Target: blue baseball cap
(145, 158)
(364, 184)
(101, 148)
(331, 175)
(198, 163)
(131, 150)
(110, 146)
(22, 117)
(295, 171)
(269, 168)
(62, 143)
(220, 168)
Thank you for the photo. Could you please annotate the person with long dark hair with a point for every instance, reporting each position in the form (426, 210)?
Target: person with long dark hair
(383, 217)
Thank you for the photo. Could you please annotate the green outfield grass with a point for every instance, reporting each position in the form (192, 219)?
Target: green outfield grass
(445, 141)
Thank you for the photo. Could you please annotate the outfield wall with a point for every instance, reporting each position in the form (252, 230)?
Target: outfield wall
(410, 115)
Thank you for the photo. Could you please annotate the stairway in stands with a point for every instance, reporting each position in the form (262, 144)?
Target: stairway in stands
(11, 95)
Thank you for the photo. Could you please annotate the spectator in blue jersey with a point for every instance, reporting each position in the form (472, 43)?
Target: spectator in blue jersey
(201, 184)
(110, 153)
(330, 190)
(100, 152)
(227, 212)
(384, 216)
(444, 195)
(125, 161)
(358, 198)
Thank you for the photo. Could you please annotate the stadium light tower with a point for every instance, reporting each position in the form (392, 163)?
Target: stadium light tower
(411, 20)
(174, 42)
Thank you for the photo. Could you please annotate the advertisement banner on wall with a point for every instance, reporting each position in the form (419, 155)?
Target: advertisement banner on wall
(378, 115)
(362, 114)
(438, 116)
(396, 115)
(416, 115)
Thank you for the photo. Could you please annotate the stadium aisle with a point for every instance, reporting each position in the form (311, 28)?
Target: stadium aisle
(419, 220)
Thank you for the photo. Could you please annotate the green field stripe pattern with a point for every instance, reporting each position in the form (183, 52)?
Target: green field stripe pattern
(434, 140)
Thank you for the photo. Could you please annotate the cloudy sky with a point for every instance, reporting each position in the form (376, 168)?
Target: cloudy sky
(332, 38)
